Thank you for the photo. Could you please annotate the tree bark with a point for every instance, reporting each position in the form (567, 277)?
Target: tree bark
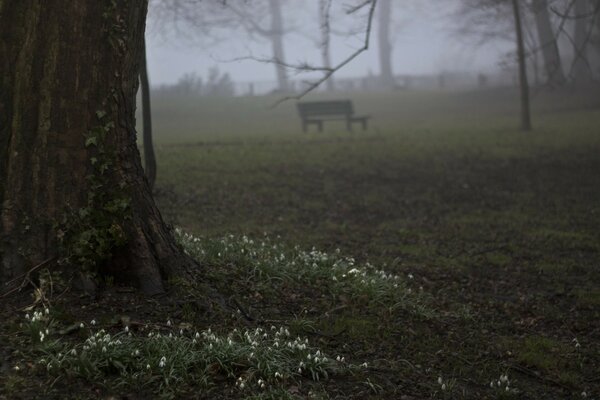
(524, 85)
(324, 6)
(149, 156)
(69, 76)
(276, 37)
(385, 46)
(555, 75)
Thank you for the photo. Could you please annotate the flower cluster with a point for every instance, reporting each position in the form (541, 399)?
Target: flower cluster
(503, 384)
(264, 260)
(261, 358)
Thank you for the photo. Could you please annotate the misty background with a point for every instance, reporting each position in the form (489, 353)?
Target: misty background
(426, 35)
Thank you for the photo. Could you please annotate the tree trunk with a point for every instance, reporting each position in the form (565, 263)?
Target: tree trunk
(552, 63)
(324, 8)
(72, 186)
(582, 73)
(385, 45)
(276, 37)
(149, 156)
(524, 85)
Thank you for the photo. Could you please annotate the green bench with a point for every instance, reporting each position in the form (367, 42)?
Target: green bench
(317, 112)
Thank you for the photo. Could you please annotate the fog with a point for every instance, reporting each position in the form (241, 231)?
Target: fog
(424, 37)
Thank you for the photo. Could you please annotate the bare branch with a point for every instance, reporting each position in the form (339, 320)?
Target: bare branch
(330, 71)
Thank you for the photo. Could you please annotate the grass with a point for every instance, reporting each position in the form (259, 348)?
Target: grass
(453, 254)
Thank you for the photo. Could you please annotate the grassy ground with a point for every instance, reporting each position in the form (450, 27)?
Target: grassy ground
(491, 232)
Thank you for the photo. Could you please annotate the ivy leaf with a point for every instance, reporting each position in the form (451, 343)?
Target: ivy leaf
(91, 140)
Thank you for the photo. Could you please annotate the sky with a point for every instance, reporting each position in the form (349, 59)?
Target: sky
(423, 35)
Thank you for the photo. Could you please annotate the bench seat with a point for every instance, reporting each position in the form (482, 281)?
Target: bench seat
(317, 112)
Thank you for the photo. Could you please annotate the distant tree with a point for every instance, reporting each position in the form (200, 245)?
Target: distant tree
(218, 84)
(555, 75)
(581, 72)
(325, 45)
(494, 19)
(523, 83)
(385, 43)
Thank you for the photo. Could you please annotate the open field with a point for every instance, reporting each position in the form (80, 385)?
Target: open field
(444, 188)
(493, 234)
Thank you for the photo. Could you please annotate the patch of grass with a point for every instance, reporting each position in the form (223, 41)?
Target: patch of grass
(551, 357)
(264, 264)
(172, 358)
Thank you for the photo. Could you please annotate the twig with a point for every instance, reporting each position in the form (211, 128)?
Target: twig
(25, 277)
(329, 71)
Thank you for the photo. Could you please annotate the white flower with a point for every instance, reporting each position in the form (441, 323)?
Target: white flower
(168, 322)
(16, 368)
(126, 329)
(47, 311)
(136, 352)
(410, 276)
(104, 349)
(42, 336)
(439, 380)
(93, 322)
(27, 317)
(73, 352)
(444, 386)
(147, 366)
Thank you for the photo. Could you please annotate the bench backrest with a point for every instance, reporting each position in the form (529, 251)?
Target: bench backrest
(317, 108)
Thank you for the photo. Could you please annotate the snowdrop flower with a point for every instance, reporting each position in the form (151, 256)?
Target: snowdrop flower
(364, 365)
(168, 322)
(104, 349)
(42, 336)
(93, 322)
(439, 380)
(73, 352)
(444, 386)
(410, 276)
(147, 366)
(16, 368)
(126, 329)
(27, 317)
(47, 311)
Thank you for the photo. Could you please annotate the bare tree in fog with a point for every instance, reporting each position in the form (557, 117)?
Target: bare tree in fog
(385, 43)
(492, 19)
(581, 71)
(325, 28)
(250, 16)
(523, 83)
(555, 75)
